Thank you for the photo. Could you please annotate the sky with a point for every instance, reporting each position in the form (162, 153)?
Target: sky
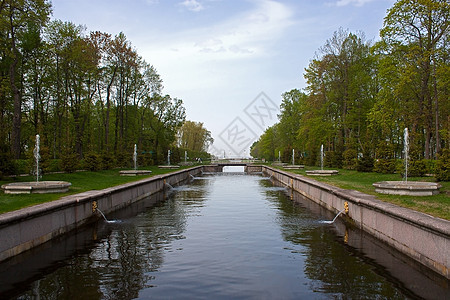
(230, 61)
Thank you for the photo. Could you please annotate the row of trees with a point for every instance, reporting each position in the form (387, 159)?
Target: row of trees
(360, 96)
(81, 91)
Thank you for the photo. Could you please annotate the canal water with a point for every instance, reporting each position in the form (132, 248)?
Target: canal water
(229, 236)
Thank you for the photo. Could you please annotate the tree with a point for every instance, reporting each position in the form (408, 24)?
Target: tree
(193, 136)
(416, 33)
(17, 17)
(341, 91)
(166, 116)
(292, 110)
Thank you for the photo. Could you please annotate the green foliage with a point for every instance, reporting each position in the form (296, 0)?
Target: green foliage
(107, 160)
(194, 136)
(416, 168)
(365, 163)
(7, 165)
(313, 158)
(55, 165)
(430, 166)
(146, 160)
(443, 166)
(385, 162)
(69, 162)
(124, 159)
(333, 159)
(22, 166)
(92, 161)
(350, 159)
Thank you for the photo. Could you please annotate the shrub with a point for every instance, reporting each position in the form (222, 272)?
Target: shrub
(365, 163)
(332, 159)
(22, 166)
(7, 164)
(107, 161)
(416, 168)
(69, 162)
(385, 166)
(385, 162)
(145, 159)
(312, 157)
(55, 165)
(430, 166)
(92, 161)
(350, 159)
(443, 166)
(124, 159)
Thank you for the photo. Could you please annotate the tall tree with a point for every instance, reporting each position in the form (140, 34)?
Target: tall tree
(416, 32)
(194, 136)
(15, 17)
(341, 91)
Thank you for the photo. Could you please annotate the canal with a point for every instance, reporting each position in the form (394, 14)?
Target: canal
(229, 236)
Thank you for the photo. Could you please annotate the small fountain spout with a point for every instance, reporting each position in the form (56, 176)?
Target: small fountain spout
(135, 157)
(321, 157)
(104, 217)
(331, 222)
(37, 156)
(168, 157)
(406, 151)
(293, 157)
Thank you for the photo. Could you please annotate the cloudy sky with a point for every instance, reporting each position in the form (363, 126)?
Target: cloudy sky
(228, 60)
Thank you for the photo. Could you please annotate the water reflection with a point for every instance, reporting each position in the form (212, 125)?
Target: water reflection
(230, 236)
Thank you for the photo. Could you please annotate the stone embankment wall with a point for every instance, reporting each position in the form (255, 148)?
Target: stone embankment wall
(29, 227)
(424, 238)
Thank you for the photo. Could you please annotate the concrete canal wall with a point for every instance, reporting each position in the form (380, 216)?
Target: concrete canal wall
(422, 237)
(29, 227)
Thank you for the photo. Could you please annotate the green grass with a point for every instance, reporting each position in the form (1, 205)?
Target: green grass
(81, 182)
(437, 205)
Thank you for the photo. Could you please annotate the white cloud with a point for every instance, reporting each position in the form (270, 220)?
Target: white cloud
(352, 2)
(192, 5)
(250, 33)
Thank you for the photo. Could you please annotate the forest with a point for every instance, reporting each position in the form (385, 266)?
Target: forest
(89, 95)
(360, 96)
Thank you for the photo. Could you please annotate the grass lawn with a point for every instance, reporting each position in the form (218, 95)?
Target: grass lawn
(437, 205)
(81, 182)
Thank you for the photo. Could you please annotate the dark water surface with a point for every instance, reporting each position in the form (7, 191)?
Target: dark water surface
(220, 237)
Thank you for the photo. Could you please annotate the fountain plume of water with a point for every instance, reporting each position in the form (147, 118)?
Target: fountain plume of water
(406, 152)
(37, 156)
(293, 157)
(135, 157)
(331, 222)
(168, 157)
(321, 157)
(104, 217)
(279, 156)
(185, 157)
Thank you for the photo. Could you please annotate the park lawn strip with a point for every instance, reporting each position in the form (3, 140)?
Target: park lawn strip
(436, 205)
(81, 182)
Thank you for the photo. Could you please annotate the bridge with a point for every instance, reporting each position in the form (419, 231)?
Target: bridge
(217, 166)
